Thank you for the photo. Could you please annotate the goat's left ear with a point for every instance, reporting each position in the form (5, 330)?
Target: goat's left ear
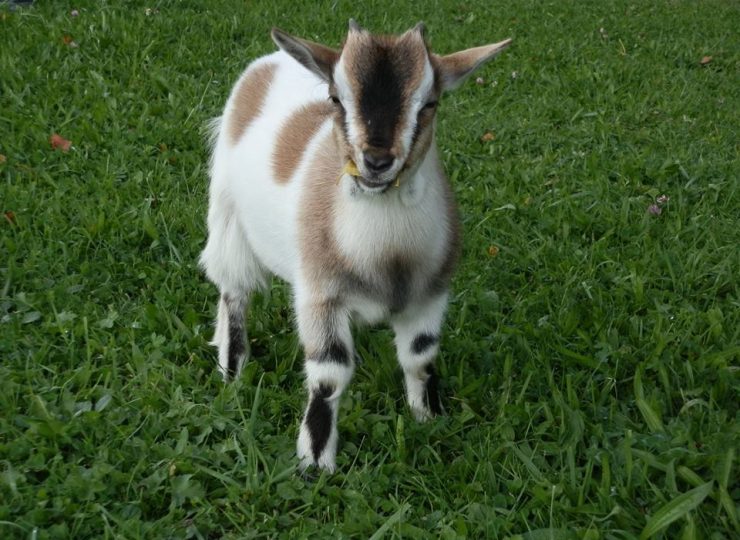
(315, 57)
(452, 69)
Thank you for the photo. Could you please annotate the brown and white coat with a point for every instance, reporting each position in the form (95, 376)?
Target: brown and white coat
(370, 242)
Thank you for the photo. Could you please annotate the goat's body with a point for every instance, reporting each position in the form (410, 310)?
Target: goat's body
(393, 249)
(345, 199)
(243, 188)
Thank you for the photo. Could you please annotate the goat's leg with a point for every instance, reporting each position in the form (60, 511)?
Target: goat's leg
(230, 336)
(417, 342)
(231, 264)
(323, 326)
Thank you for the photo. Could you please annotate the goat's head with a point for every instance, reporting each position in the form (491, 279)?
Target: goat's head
(385, 91)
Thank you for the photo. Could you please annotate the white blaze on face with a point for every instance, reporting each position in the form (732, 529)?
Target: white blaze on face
(348, 99)
(418, 99)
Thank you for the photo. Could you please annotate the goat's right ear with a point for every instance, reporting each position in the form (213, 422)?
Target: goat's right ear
(315, 57)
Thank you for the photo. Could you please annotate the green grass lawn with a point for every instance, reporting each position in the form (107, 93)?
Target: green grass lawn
(590, 356)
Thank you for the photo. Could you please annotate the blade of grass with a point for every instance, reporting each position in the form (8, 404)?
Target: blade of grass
(675, 509)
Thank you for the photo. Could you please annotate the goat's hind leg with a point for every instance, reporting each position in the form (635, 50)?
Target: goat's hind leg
(231, 337)
(230, 263)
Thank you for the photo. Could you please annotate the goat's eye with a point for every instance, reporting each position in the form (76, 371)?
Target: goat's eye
(429, 105)
(335, 100)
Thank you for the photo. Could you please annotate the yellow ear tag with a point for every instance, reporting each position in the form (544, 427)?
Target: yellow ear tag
(349, 168)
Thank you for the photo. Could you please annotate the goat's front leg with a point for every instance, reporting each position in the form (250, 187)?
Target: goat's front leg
(417, 342)
(323, 325)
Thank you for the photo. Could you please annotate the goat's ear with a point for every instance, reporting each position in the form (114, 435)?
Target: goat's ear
(421, 29)
(354, 27)
(317, 58)
(452, 69)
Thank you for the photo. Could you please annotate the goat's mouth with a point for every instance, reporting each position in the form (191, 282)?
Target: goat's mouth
(367, 182)
(373, 186)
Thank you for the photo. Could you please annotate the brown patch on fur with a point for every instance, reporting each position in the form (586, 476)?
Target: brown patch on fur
(299, 128)
(249, 98)
(319, 253)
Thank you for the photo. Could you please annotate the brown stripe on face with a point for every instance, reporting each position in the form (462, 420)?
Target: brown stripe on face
(384, 72)
(249, 98)
(298, 129)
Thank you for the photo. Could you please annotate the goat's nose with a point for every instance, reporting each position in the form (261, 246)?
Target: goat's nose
(377, 161)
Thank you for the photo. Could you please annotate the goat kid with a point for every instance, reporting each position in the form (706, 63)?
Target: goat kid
(325, 173)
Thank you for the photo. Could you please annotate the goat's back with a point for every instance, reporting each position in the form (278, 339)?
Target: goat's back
(274, 120)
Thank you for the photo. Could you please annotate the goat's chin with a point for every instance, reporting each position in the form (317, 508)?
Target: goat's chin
(372, 188)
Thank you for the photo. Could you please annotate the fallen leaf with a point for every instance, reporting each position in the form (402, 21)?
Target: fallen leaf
(479, 81)
(10, 216)
(487, 137)
(59, 142)
(704, 61)
(67, 40)
(493, 251)
(3, 159)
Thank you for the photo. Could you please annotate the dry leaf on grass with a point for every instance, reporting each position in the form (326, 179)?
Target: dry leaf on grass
(704, 61)
(9, 216)
(67, 40)
(59, 142)
(487, 137)
(493, 250)
(3, 159)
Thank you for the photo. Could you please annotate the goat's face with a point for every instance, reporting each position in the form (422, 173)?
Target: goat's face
(385, 91)
(385, 94)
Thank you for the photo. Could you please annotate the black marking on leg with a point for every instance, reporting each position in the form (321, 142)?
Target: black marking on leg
(432, 390)
(336, 352)
(423, 342)
(236, 346)
(319, 419)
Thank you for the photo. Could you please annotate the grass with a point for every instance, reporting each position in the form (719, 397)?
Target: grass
(590, 355)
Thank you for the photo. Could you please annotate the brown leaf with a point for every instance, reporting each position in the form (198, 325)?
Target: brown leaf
(487, 137)
(59, 142)
(3, 159)
(67, 40)
(493, 251)
(704, 61)
(9, 216)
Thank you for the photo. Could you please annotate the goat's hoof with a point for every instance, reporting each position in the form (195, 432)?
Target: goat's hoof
(309, 469)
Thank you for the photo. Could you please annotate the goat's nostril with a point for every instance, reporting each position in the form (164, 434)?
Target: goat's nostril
(377, 162)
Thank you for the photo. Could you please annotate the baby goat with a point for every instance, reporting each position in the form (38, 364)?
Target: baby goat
(325, 173)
